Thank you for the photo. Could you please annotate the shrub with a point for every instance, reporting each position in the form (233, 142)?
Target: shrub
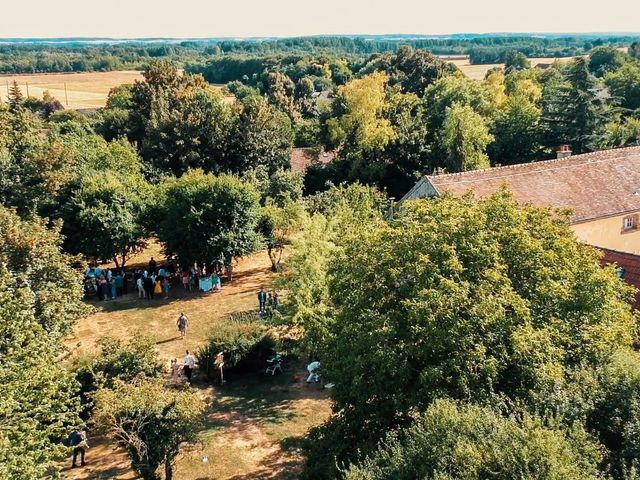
(116, 360)
(451, 441)
(244, 341)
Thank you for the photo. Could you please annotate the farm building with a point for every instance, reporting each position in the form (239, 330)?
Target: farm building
(602, 189)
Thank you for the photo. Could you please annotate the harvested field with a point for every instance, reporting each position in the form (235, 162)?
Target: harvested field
(84, 90)
(477, 72)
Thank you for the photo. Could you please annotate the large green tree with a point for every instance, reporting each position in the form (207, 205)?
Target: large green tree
(468, 299)
(572, 113)
(151, 422)
(105, 216)
(208, 219)
(465, 136)
(624, 85)
(40, 298)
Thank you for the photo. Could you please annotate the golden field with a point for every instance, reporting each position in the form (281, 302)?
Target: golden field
(477, 72)
(83, 90)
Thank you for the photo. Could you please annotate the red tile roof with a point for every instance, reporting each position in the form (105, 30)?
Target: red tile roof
(631, 265)
(301, 158)
(593, 185)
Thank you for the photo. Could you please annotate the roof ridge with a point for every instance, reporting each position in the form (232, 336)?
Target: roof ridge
(534, 162)
(619, 252)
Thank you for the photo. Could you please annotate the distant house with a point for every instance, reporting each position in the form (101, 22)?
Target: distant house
(601, 188)
(302, 158)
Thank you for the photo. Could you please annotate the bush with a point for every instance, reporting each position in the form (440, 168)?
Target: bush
(116, 360)
(244, 341)
(616, 416)
(451, 441)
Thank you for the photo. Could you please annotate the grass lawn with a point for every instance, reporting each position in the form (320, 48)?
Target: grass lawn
(254, 424)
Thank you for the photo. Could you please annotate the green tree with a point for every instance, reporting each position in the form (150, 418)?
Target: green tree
(516, 132)
(40, 299)
(15, 96)
(277, 224)
(451, 441)
(105, 216)
(624, 85)
(336, 214)
(514, 60)
(31, 252)
(634, 50)
(467, 299)
(260, 135)
(571, 111)
(603, 60)
(150, 422)
(358, 121)
(465, 136)
(208, 219)
(193, 133)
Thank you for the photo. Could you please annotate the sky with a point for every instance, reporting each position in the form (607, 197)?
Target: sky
(284, 18)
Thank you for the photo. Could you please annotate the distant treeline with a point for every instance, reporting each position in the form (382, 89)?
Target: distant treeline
(45, 57)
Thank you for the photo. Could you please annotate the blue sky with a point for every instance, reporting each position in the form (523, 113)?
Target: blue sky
(242, 18)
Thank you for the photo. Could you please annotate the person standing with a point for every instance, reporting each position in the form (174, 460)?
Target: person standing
(262, 299)
(114, 290)
(119, 284)
(182, 323)
(152, 265)
(78, 440)
(148, 287)
(140, 285)
(157, 288)
(166, 285)
(189, 363)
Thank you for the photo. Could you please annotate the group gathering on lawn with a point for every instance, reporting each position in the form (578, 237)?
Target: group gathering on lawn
(153, 282)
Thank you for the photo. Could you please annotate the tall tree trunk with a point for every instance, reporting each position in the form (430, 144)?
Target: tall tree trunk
(168, 469)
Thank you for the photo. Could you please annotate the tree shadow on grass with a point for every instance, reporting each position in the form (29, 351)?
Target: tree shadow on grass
(131, 301)
(256, 397)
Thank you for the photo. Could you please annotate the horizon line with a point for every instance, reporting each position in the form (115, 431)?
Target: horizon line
(329, 35)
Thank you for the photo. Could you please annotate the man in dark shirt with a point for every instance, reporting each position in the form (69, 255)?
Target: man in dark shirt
(148, 287)
(78, 440)
(152, 265)
(262, 299)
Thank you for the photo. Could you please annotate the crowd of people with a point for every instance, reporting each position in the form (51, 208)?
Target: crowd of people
(154, 282)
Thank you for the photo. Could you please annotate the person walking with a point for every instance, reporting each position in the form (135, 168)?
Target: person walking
(78, 440)
(262, 299)
(182, 323)
(189, 364)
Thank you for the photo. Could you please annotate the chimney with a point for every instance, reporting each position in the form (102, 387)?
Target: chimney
(564, 152)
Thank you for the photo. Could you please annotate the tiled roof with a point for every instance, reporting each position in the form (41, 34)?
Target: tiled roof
(301, 158)
(629, 263)
(593, 185)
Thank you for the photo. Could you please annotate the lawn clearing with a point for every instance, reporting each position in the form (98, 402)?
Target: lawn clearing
(255, 422)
